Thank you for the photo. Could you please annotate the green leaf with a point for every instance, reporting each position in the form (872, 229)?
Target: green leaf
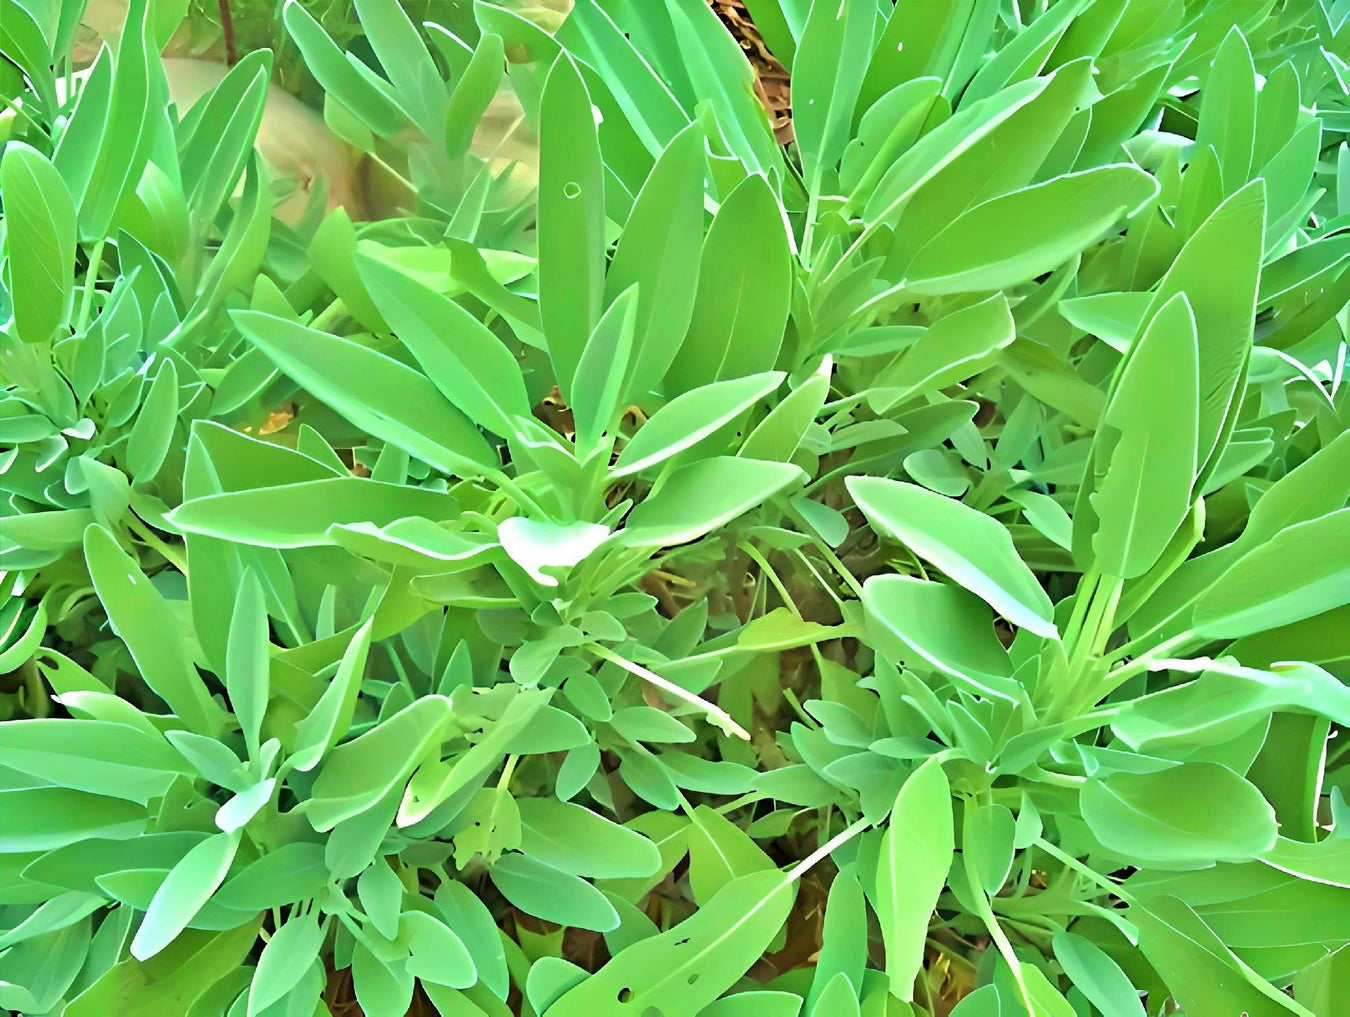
(1301, 571)
(331, 716)
(95, 756)
(170, 982)
(744, 290)
(1228, 110)
(691, 417)
(39, 242)
(780, 433)
(44, 818)
(360, 772)
(338, 74)
(843, 941)
(142, 618)
(152, 434)
(473, 94)
(576, 840)
(555, 896)
(246, 660)
(946, 627)
(916, 855)
(827, 75)
(598, 387)
(1097, 976)
(470, 366)
(719, 851)
(125, 139)
(187, 887)
(417, 84)
(1144, 461)
(702, 496)
(658, 252)
(376, 393)
(216, 151)
(294, 946)
(1013, 238)
(1224, 700)
(1184, 817)
(970, 547)
(685, 968)
(306, 514)
(438, 954)
(1218, 269)
(571, 219)
(1203, 974)
(472, 922)
(958, 346)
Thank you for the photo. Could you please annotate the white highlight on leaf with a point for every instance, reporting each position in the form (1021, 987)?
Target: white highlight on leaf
(536, 546)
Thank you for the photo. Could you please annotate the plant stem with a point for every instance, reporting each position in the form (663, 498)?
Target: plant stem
(514, 492)
(772, 576)
(1081, 599)
(1084, 870)
(1113, 679)
(90, 278)
(828, 848)
(718, 715)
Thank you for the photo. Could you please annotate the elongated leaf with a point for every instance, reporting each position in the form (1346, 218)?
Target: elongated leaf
(956, 347)
(916, 854)
(1145, 460)
(96, 756)
(827, 75)
(603, 368)
(144, 621)
(576, 840)
(555, 896)
(1301, 571)
(744, 287)
(684, 969)
(571, 219)
(364, 770)
(947, 628)
(973, 549)
(688, 419)
(659, 252)
(1186, 817)
(294, 946)
(188, 886)
(246, 659)
(703, 495)
(1218, 270)
(1014, 238)
(374, 392)
(304, 515)
(469, 364)
(1097, 976)
(39, 242)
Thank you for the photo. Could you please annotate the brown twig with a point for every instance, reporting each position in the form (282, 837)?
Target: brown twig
(227, 28)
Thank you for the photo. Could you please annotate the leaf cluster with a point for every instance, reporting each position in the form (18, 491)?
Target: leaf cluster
(904, 572)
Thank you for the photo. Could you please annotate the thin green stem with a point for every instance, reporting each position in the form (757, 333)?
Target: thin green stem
(1082, 598)
(517, 495)
(328, 315)
(505, 779)
(718, 715)
(771, 575)
(828, 848)
(90, 278)
(826, 551)
(1084, 870)
(1114, 679)
(165, 551)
